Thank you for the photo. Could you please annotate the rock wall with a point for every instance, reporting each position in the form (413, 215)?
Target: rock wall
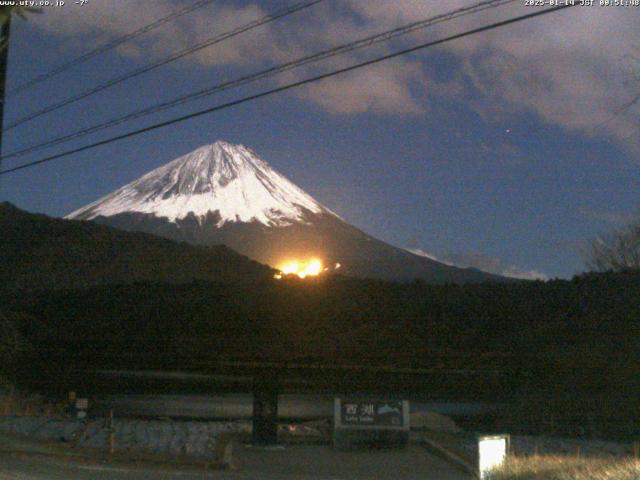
(195, 439)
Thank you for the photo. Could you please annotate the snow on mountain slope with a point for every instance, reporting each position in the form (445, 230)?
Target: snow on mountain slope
(229, 179)
(225, 194)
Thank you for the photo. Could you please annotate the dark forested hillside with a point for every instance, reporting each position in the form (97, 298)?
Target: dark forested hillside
(564, 347)
(590, 321)
(39, 252)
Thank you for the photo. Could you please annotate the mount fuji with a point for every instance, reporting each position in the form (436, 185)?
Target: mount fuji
(225, 194)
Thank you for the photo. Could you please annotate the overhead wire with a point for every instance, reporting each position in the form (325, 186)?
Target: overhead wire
(164, 61)
(267, 73)
(290, 86)
(107, 46)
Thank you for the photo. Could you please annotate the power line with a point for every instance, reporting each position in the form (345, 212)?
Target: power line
(289, 86)
(182, 53)
(269, 72)
(619, 111)
(5, 30)
(108, 46)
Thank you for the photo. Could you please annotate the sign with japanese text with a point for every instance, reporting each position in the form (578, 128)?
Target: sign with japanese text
(386, 414)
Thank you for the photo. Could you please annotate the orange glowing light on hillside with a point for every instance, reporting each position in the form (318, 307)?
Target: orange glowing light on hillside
(308, 268)
(303, 268)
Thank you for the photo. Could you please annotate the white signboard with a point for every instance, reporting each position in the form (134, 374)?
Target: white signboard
(492, 452)
(365, 414)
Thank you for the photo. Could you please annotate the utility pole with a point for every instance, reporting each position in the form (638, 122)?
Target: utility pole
(5, 30)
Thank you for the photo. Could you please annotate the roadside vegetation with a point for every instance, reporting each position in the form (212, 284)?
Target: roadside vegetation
(567, 468)
(14, 349)
(14, 402)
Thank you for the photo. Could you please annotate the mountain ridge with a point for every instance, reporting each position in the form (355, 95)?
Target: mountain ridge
(240, 185)
(225, 194)
(41, 252)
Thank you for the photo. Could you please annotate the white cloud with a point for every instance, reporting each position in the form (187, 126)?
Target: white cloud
(430, 256)
(384, 88)
(101, 22)
(483, 262)
(573, 69)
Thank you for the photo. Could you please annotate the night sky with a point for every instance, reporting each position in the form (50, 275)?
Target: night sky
(507, 150)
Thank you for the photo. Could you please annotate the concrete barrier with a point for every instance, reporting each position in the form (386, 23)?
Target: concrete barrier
(192, 439)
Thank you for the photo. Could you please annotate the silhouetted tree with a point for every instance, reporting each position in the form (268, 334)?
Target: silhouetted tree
(617, 251)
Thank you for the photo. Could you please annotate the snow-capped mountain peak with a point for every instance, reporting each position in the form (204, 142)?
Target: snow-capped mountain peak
(225, 178)
(225, 194)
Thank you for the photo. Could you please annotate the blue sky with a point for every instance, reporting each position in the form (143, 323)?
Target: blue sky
(501, 151)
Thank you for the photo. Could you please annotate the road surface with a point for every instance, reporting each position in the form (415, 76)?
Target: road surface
(296, 462)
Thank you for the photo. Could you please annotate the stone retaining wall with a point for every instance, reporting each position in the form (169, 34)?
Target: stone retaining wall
(195, 439)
